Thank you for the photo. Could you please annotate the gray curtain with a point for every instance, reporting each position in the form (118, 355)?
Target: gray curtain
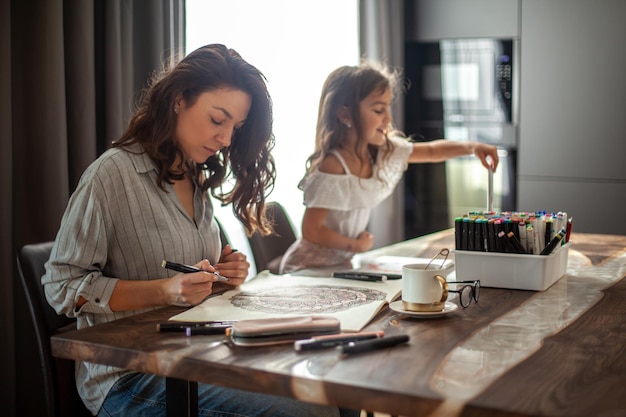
(70, 71)
(381, 37)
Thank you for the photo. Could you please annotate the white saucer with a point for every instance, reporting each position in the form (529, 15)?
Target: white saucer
(447, 309)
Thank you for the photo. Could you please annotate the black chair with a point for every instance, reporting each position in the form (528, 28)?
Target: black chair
(269, 250)
(60, 396)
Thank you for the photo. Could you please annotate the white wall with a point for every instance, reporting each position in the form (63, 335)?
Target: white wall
(572, 113)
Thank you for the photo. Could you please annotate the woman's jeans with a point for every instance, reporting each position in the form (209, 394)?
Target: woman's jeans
(138, 394)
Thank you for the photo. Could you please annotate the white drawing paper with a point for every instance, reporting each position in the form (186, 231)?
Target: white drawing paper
(354, 303)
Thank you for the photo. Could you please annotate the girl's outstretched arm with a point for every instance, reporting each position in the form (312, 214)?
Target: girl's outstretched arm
(442, 149)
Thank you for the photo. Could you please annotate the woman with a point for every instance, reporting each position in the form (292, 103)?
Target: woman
(145, 200)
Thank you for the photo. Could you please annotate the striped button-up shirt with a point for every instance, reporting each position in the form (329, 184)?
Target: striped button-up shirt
(120, 225)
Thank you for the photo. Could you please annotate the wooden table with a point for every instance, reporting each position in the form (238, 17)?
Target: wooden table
(560, 352)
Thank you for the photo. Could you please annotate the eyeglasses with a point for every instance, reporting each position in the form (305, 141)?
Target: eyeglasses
(466, 292)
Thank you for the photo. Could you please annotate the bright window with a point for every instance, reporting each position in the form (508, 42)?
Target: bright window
(295, 44)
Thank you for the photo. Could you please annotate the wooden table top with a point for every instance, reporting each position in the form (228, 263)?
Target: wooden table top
(559, 352)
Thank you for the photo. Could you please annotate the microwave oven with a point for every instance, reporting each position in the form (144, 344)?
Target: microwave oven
(459, 81)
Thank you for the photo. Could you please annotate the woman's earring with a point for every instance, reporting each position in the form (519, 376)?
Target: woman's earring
(348, 125)
(176, 110)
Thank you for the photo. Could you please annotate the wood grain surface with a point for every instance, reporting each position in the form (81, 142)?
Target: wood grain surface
(579, 371)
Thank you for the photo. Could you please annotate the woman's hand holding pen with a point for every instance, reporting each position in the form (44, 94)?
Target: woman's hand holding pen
(189, 289)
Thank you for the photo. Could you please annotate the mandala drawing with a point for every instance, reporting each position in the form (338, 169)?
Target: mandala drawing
(306, 299)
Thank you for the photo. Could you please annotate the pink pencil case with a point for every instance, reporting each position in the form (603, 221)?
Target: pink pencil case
(272, 331)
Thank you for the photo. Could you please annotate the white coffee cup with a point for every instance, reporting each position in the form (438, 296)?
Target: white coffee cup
(424, 289)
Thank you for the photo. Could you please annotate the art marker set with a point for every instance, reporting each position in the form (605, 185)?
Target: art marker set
(534, 233)
(518, 250)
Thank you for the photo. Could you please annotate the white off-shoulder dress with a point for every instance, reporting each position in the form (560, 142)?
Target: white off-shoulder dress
(350, 201)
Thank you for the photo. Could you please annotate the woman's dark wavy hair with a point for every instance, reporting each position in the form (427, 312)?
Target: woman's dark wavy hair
(248, 158)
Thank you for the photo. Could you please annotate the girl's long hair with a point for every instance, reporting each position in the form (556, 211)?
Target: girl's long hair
(348, 86)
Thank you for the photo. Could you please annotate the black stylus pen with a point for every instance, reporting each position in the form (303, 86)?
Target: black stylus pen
(367, 345)
(188, 269)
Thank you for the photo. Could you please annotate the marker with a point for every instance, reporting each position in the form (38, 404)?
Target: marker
(458, 224)
(477, 234)
(471, 229)
(497, 229)
(538, 233)
(492, 236)
(506, 242)
(183, 326)
(362, 276)
(570, 223)
(368, 345)
(490, 189)
(522, 236)
(548, 231)
(485, 234)
(331, 340)
(517, 246)
(507, 225)
(465, 233)
(553, 243)
(188, 269)
(530, 239)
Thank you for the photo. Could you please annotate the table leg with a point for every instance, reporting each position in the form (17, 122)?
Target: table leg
(181, 397)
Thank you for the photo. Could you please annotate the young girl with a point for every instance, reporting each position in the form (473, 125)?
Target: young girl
(358, 161)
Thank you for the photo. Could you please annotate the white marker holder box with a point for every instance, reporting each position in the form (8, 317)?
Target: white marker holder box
(511, 270)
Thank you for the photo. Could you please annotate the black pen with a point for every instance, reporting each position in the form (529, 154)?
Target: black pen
(182, 326)
(332, 340)
(367, 345)
(361, 276)
(188, 269)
